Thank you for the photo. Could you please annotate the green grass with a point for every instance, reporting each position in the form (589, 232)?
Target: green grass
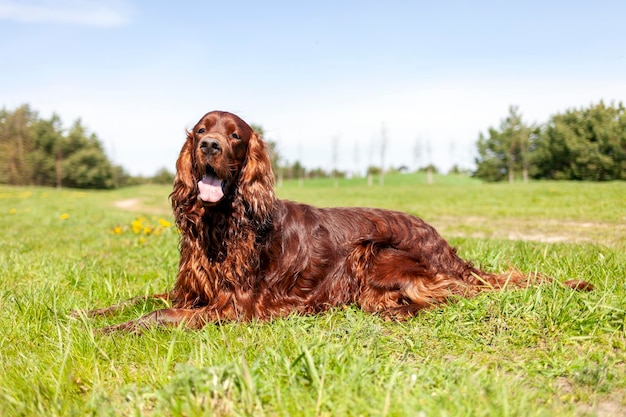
(544, 351)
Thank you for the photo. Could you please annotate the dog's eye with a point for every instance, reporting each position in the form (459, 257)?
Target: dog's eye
(235, 136)
(201, 130)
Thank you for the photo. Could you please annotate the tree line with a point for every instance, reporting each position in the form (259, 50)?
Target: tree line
(38, 151)
(580, 144)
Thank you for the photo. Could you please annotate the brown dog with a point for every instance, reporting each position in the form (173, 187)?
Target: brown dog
(246, 254)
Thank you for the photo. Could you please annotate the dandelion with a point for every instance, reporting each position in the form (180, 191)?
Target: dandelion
(137, 225)
(12, 211)
(64, 216)
(144, 227)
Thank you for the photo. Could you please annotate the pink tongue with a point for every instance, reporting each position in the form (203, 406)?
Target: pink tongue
(210, 189)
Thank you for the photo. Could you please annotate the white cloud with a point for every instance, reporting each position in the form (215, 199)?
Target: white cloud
(79, 12)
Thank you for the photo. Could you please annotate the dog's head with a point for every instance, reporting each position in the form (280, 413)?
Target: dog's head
(224, 160)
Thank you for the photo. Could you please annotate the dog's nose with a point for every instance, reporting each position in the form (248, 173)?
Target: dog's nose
(210, 146)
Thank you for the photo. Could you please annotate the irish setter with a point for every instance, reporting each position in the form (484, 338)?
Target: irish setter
(247, 255)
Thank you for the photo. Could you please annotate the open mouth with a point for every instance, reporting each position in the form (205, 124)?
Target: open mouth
(210, 187)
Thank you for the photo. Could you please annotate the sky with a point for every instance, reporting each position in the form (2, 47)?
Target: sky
(332, 82)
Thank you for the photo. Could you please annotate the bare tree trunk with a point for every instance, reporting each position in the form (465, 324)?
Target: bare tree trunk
(417, 153)
(383, 148)
(429, 172)
(335, 151)
(281, 176)
(357, 172)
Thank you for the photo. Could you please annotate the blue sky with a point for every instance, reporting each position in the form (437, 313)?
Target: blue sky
(138, 73)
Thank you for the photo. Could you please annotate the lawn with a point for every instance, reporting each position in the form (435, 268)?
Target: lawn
(543, 351)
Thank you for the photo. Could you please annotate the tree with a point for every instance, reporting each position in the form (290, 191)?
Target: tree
(580, 144)
(505, 151)
(373, 170)
(297, 170)
(583, 144)
(82, 161)
(16, 145)
(163, 176)
(430, 167)
(490, 164)
(48, 137)
(357, 171)
(417, 152)
(35, 151)
(383, 149)
(334, 154)
(87, 167)
(272, 149)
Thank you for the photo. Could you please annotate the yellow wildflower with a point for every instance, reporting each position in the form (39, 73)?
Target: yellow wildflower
(64, 216)
(118, 230)
(147, 230)
(12, 211)
(164, 223)
(137, 225)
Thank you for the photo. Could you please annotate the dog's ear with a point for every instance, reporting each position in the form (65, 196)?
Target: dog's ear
(184, 193)
(256, 181)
